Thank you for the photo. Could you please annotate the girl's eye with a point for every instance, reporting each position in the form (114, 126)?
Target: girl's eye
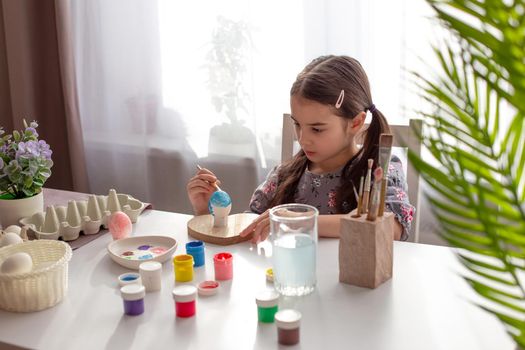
(314, 130)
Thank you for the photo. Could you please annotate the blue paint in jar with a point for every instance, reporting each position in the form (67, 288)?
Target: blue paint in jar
(128, 278)
(196, 249)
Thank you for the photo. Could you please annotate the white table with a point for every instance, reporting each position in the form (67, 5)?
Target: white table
(425, 306)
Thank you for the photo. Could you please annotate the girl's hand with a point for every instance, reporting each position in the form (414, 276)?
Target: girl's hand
(200, 188)
(260, 228)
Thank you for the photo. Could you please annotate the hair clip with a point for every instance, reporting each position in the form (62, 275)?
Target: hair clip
(340, 99)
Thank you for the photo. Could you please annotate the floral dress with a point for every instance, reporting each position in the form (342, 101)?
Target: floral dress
(320, 191)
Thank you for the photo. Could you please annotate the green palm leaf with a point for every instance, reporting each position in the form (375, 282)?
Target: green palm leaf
(478, 191)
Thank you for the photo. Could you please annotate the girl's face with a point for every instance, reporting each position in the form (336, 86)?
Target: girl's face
(326, 139)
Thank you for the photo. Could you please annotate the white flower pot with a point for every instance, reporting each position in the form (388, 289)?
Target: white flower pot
(12, 210)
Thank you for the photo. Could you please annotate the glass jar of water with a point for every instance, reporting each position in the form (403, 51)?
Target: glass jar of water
(293, 230)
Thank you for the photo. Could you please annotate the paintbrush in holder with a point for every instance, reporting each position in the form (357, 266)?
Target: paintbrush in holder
(374, 196)
(366, 190)
(385, 151)
(359, 198)
(366, 250)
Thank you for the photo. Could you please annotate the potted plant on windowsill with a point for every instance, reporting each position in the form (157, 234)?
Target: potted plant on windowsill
(25, 164)
(226, 65)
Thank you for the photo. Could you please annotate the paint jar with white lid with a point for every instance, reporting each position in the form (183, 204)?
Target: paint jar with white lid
(133, 297)
(288, 322)
(151, 275)
(267, 305)
(129, 278)
(184, 297)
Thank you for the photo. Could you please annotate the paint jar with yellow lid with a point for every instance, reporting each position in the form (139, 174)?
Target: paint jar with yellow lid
(183, 267)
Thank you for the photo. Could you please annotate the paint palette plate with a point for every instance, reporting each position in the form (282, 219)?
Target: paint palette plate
(132, 251)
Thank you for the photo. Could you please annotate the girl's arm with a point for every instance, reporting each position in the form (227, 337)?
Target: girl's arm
(396, 199)
(263, 194)
(330, 226)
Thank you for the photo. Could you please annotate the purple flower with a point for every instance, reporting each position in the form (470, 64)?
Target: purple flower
(32, 131)
(33, 149)
(23, 159)
(21, 150)
(45, 150)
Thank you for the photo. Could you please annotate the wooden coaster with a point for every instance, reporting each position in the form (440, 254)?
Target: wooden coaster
(201, 227)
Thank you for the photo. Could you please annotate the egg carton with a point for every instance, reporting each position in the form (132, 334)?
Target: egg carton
(87, 216)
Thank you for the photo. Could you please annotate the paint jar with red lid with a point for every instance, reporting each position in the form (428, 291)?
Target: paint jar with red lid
(288, 322)
(184, 297)
(223, 263)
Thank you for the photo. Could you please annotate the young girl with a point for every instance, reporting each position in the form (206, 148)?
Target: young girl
(329, 101)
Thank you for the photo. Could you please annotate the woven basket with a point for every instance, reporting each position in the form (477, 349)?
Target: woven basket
(45, 285)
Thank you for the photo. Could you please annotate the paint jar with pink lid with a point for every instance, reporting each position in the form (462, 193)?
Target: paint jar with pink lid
(133, 297)
(288, 322)
(184, 297)
(223, 263)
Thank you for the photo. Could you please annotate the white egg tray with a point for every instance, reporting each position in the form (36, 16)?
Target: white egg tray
(89, 216)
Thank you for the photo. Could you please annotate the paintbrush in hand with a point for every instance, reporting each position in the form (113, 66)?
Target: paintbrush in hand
(214, 184)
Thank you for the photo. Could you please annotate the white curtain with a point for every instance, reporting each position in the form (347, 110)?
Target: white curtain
(165, 85)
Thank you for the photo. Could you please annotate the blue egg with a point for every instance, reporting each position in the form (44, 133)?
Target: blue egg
(219, 199)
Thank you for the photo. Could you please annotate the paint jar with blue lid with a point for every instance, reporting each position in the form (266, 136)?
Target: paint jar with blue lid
(267, 305)
(133, 297)
(196, 249)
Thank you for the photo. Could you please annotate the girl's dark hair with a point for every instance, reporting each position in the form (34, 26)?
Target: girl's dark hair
(322, 81)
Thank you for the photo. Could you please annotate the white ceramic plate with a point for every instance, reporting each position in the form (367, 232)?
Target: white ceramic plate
(132, 251)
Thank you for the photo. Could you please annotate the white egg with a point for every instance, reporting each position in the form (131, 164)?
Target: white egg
(17, 263)
(13, 228)
(9, 238)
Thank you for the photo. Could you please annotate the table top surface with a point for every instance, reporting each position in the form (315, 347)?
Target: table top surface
(426, 305)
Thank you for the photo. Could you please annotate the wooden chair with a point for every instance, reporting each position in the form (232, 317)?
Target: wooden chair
(405, 137)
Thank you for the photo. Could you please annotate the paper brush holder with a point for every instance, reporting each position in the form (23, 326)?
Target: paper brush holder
(365, 250)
